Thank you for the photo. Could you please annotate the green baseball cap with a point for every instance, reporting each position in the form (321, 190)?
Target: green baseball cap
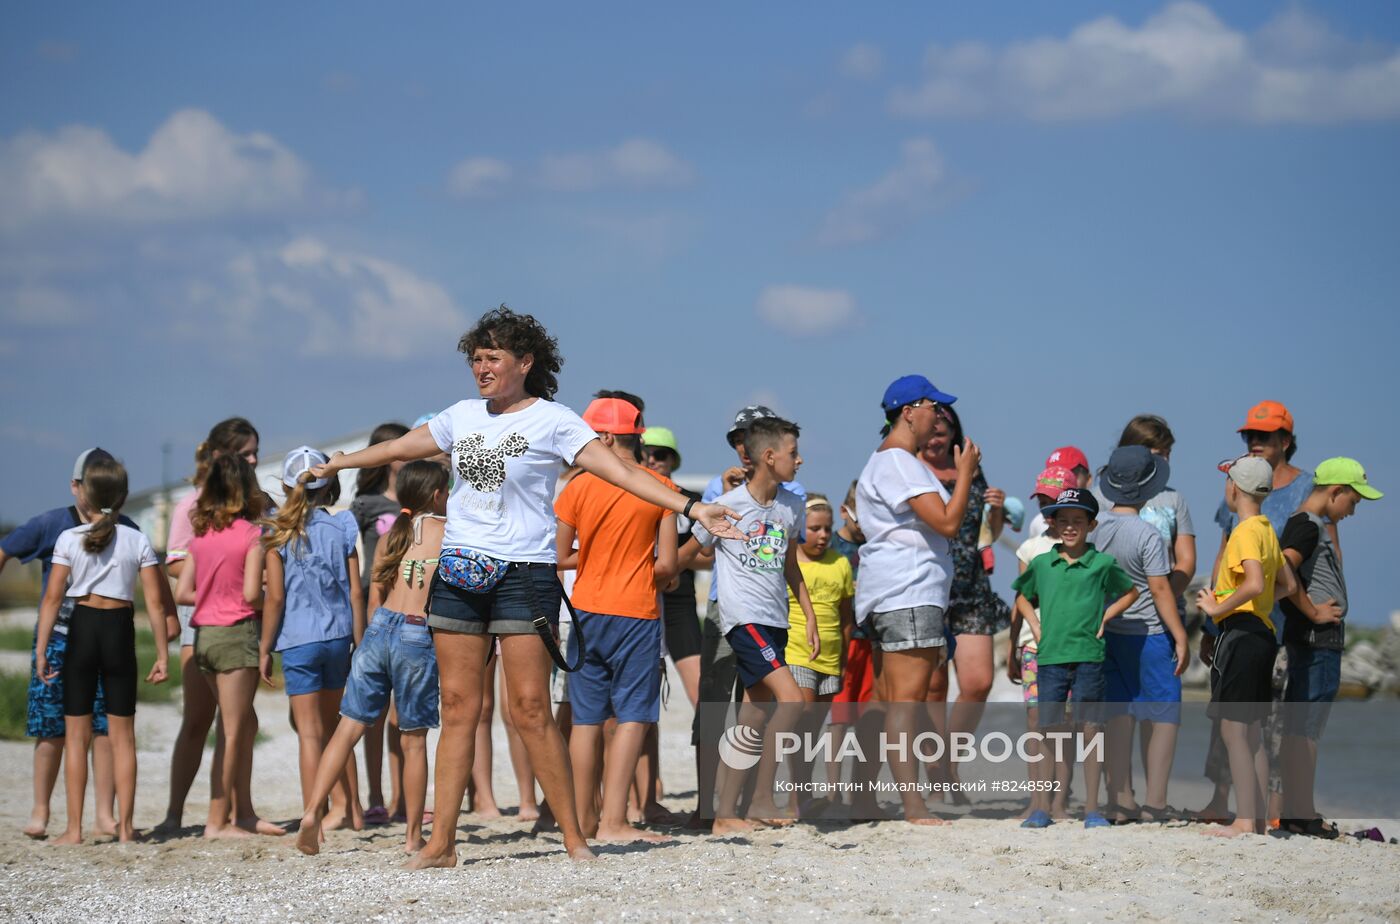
(1349, 472)
(662, 438)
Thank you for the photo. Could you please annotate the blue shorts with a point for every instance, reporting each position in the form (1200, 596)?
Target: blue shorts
(316, 666)
(1314, 677)
(758, 651)
(621, 672)
(1141, 670)
(396, 656)
(509, 608)
(44, 713)
(1083, 679)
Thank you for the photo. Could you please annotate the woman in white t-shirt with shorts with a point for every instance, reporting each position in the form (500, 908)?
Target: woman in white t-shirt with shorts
(905, 566)
(497, 570)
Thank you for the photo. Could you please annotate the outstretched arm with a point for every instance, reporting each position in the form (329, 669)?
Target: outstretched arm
(415, 444)
(599, 460)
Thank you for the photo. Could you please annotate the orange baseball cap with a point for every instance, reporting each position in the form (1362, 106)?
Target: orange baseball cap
(1268, 416)
(613, 415)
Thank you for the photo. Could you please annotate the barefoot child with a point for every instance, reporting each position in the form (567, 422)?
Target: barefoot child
(1241, 672)
(313, 604)
(394, 654)
(44, 713)
(626, 554)
(223, 579)
(1071, 585)
(103, 560)
(754, 575)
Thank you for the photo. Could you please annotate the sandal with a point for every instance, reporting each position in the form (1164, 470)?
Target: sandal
(1038, 819)
(1129, 816)
(1161, 815)
(1095, 820)
(1310, 827)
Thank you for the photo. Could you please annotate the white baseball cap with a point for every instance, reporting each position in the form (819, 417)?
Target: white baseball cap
(1251, 474)
(301, 460)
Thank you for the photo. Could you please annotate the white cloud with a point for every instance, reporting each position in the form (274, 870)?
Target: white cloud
(1182, 59)
(637, 163)
(327, 301)
(862, 61)
(479, 177)
(193, 167)
(805, 311)
(911, 188)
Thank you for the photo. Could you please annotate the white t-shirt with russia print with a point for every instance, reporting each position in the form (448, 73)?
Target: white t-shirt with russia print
(506, 466)
(752, 585)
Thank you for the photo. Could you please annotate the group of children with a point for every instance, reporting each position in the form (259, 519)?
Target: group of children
(1097, 626)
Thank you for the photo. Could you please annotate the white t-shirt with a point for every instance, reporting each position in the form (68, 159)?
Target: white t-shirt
(506, 467)
(1027, 552)
(752, 583)
(904, 563)
(109, 573)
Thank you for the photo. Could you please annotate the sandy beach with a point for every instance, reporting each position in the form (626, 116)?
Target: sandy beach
(988, 869)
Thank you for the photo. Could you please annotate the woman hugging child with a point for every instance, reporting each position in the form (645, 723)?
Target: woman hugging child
(98, 565)
(394, 654)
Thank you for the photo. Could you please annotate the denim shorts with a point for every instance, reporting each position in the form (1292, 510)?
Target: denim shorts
(908, 629)
(1140, 670)
(1082, 680)
(316, 666)
(1314, 677)
(396, 656)
(620, 676)
(509, 608)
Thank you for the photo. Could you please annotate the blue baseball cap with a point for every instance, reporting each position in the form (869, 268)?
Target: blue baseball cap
(910, 388)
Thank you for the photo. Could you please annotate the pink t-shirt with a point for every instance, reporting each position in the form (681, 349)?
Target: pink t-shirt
(220, 559)
(177, 543)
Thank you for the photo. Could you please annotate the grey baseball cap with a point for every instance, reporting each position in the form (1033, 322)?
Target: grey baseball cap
(89, 456)
(1251, 474)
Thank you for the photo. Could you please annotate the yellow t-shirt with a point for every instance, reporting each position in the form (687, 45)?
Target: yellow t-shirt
(829, 581)
(1252, 539)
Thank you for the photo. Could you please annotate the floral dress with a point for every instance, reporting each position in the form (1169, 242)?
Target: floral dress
(973, 607)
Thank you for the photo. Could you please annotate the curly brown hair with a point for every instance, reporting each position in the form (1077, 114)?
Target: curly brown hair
(520, 335)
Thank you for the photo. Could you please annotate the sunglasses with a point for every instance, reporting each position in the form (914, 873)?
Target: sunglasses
(1258, 436)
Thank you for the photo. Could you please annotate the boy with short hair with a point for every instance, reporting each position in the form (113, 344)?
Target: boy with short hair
(754, 576)
(1071, 585)
(1241, 673)
(1315, 633)
(626, 553)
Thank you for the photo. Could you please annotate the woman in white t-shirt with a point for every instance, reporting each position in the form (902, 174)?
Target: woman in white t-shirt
(905, 566)
(508, 449)
(99, 564)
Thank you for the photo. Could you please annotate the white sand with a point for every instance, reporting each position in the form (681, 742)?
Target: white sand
(985, 869)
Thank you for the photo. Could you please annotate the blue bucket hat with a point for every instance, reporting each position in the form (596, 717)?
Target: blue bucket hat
(910, 388)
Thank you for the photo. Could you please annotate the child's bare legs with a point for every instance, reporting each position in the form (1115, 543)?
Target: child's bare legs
(247, 817)
(776, 687)
(374, 762)
(1159, 745)
(519, 759)
(310, 741)
(624, 753)
(395, 748)
(1092, 774)
(483, 801)
(103, 783)
(973, 660)
(121, 729)
(48, 758)
(729, 782)
(414, 788)
(648, 780)
(586, 755)
(1120, 765)
(197, 717)
(1037, 771)
(689, 670)
(329, 773)
(234, 690)
(345, 796)
(77, 737)
(1250, 771)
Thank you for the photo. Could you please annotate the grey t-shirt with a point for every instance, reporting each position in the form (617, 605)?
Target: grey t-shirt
(1321, 573)
(1138, 547)
(1167, 511)
(752, 587)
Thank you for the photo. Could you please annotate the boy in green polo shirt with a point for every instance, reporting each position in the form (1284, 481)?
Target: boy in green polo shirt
(1073, 585)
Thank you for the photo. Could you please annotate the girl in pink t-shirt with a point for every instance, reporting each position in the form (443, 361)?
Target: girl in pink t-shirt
(222, 578)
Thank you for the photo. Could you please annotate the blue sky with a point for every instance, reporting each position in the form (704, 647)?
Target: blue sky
(1063, 213)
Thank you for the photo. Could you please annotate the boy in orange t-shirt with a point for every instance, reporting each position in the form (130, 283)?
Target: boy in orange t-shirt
(626, 554)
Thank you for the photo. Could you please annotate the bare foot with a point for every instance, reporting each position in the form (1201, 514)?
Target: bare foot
(488, 811)
(126, 834)
(928, 821)
(626, 834)
(581, 853)
(225, 831)
(309, 836)
(106, 827)
(414, 846)
(528, 813)
(261, 826)
(723, 826)
(68, 839)
(335, 823)
(426, 860)
(1234, 830)
(38, 826)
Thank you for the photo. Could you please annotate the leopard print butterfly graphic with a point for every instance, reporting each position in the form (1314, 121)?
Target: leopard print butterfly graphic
(483, 468)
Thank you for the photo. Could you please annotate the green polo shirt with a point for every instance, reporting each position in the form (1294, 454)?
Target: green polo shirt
(1072, 597)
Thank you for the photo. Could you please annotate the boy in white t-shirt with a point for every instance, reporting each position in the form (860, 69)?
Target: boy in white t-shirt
(754, 576)
(1047, 800)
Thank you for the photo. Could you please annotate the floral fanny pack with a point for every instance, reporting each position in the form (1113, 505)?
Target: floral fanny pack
(470, 570)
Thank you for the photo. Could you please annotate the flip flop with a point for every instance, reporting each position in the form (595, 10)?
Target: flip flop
(1161, 815)
(378, 815)
(1038, 819)
(1095, 820)
(1310, 827)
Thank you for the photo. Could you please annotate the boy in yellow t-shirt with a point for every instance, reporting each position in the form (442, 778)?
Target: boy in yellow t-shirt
(1241, 673)
(832, 586)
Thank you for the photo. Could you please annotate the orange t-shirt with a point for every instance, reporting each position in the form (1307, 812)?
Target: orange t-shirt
(616, 545)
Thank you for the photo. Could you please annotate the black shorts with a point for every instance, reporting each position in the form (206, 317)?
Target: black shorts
(682, 622)
(101, 646)
(1242, 675)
